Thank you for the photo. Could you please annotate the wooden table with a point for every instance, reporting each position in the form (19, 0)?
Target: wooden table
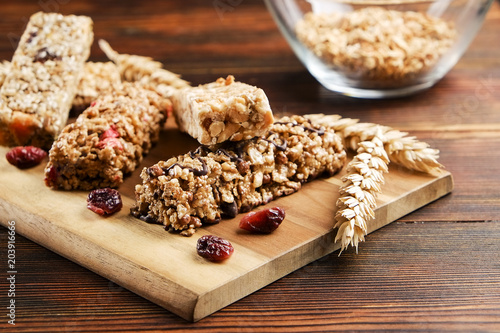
(433, 270)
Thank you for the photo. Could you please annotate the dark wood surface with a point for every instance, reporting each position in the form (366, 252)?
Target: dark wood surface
(436, 269)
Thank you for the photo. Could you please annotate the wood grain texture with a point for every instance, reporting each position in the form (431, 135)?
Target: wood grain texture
(433, 270)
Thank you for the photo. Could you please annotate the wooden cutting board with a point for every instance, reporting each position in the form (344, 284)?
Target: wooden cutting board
(164, 267)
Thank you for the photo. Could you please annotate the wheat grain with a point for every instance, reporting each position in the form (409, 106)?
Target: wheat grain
(361, 184)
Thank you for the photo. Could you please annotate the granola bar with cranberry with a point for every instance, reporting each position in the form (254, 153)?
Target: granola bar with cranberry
(222, 110)
(223, 180)
(108, 140)
(38, 91)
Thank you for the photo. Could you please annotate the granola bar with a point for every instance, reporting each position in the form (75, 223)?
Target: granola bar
(222, 110)
(218, 181)
(38, 91)
(108, 140)
(97, 79)
(4, 69)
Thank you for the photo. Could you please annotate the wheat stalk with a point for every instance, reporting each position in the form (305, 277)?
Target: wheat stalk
(361, 184)
(375, 146)
(402, 149)
(144, 70)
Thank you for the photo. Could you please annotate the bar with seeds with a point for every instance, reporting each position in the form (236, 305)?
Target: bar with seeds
(38, 90)
(4, 69)
(97, 79)
(108, 140)
(218, 181)
(222, 110)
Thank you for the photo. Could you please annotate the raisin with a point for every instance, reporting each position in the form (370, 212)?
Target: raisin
(229, 210)
(214, 248)
(44, 55)
(264, 221)
(104, 201)
(25, 157)
(32, 35)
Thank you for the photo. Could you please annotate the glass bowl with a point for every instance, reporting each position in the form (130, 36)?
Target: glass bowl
(379, 48)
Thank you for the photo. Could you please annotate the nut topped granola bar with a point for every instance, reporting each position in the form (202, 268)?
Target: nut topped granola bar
(222, 110)
(218, 181)
(108, 140)
(38, 91)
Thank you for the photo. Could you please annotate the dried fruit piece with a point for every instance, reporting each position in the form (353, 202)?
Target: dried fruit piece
(104, 201)
(264, 221)
(44, 55)
(25, 157)
(214, 248)
(110, 138)
(51, 175)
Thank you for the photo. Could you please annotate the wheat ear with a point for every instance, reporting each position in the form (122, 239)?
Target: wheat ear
(361, 184)
(402, 149)
(144, 70)
(375, 145)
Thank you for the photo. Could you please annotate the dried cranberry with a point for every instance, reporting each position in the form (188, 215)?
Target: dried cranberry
(51, 176)
(264, 221)
(214, 248)
(110, 138)
(25, 157)
(104, 201)
(111, 132)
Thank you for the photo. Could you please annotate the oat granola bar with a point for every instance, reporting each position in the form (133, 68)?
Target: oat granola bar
(37, 93)
(108, 140)
(222, 110)
(4, 69)
(97, 78)
(199, 187)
